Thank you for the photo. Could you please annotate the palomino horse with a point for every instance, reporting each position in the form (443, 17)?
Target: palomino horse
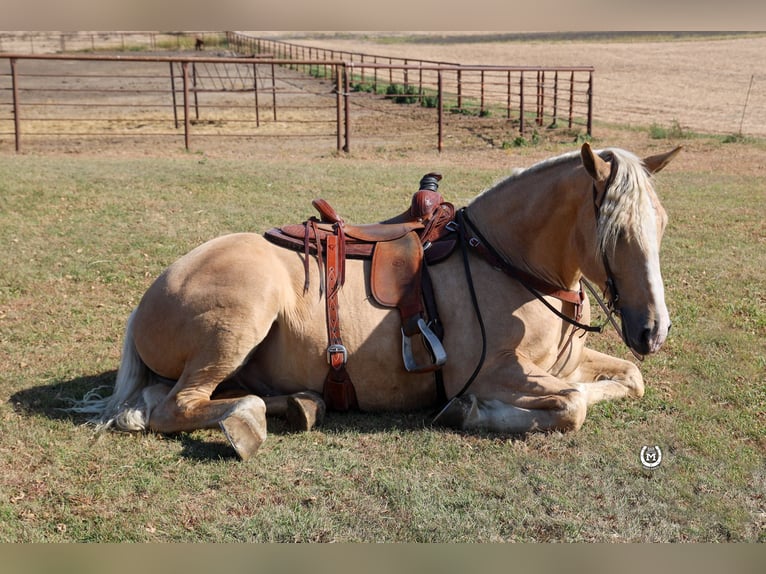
(234, 314)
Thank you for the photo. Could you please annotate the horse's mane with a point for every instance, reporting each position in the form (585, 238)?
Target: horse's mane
(627, 200)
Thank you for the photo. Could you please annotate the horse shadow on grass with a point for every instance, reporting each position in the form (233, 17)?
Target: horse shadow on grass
(52, 401)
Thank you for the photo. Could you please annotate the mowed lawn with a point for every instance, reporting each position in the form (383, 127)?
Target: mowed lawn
(83, 236)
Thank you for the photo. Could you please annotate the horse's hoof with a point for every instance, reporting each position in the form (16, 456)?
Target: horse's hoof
(245, 428)
(305, 410)
(456, 413)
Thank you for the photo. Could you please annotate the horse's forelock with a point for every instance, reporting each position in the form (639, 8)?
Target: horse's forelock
(627, 201)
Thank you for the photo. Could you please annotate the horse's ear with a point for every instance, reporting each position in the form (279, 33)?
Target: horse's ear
(655, 163)
(598, 169)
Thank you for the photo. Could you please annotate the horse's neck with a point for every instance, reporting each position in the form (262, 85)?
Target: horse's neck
(531, 222)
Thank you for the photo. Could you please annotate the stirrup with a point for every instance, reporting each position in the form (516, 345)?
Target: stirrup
(433, 344)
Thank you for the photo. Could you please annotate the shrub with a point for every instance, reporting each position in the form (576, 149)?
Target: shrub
(402, 94)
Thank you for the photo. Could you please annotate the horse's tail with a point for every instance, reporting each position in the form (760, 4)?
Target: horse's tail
(125, 409)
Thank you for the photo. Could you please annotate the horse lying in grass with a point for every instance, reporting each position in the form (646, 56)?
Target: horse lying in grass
(230, 333)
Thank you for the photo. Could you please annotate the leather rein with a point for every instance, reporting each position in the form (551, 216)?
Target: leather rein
(471, 237)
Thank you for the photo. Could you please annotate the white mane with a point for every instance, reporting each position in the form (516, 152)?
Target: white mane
(627, 204)
(627, 207)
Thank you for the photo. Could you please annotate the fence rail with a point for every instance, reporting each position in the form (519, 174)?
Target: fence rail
(49, 42)
(101, 95)
(259, 95)
(552, 91)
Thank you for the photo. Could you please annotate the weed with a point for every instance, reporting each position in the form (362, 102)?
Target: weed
(675, 131)
(429, 101)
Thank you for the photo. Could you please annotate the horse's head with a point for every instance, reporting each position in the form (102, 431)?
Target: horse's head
(630, 224)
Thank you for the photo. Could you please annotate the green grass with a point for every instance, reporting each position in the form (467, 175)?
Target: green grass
(83, 237)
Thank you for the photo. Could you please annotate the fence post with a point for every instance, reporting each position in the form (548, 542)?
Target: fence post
(440, 114)
(16, 118)
(274, 92)
(590, 103)
(481, 107)
(338, 104)
(346, 110)
(555, 98)
(185, 66)
(406, 75)
(521, 102)
(540, 96)
(255, 90)
(571, 99)
(194, 89)
(173, 92)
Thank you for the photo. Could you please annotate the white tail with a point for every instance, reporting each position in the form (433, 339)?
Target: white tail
(125, 409)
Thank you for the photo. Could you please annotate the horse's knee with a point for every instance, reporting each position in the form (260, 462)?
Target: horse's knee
(634, 382)
(571, 412)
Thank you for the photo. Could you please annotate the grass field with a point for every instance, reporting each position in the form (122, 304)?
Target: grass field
(84, 236)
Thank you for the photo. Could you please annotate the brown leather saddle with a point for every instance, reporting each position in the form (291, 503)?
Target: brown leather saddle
(400, 249)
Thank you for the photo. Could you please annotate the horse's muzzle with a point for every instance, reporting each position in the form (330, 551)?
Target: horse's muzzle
(644, 336)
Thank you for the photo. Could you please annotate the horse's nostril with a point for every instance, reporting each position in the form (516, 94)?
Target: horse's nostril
(646, 336)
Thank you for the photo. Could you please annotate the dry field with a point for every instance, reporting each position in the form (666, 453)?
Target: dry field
(700, 83)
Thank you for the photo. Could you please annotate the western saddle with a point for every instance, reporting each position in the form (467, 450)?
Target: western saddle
(400, 249)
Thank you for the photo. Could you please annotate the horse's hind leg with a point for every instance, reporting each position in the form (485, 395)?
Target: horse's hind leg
(303, 410)
(188, 407)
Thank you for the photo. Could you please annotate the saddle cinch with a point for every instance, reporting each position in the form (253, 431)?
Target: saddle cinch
(401, 249)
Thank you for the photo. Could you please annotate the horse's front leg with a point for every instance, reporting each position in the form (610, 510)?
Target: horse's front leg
(517, 397)
(607, 378)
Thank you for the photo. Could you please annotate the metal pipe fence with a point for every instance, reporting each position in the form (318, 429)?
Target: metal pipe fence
(260, 96)
(559, 93)
(99, 95)
(49, 42)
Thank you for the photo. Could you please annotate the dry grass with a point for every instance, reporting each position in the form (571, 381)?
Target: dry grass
(85, 234)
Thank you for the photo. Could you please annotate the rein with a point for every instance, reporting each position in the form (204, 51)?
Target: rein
(534, 285)
(470, 236)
